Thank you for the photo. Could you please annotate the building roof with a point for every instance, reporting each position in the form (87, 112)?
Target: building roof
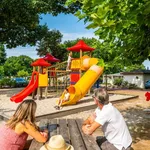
(137, 72)
(50, 58)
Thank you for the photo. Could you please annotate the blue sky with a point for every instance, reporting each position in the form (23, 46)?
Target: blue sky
(68, 25)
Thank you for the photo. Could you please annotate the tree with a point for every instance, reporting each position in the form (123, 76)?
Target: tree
(15, 64)
(22, 73)
(134, 67)
(51, 44)
(124, 26)
(2, 54)
(20, 19)
(1, 71)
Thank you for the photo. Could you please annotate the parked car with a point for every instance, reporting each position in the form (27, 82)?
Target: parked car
(20, 82)
(147, 84)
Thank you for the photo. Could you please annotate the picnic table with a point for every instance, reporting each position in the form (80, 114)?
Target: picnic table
(70, 129)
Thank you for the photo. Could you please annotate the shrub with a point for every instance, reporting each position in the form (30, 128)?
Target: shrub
(118, 81)
(132, 86)
(125, 84)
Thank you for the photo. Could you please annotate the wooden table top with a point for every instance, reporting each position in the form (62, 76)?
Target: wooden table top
(70, 129)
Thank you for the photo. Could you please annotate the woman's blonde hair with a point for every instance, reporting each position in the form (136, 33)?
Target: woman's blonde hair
(24, 112)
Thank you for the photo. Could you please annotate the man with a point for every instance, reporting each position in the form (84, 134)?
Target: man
(117, 136)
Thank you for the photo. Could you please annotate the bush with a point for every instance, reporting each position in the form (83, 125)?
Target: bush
(125, 84)
(6, 82)
(118, 81)
(132, 86)
(22, 73)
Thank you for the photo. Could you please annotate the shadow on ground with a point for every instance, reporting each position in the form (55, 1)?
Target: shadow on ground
(138, 122)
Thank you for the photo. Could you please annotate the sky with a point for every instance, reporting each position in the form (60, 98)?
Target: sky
(68, 25)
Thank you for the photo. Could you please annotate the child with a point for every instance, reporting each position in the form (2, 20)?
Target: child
(64, 99)
(69, 61)
(13, 135)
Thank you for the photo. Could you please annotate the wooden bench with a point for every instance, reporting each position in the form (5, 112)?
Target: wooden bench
(70, 129)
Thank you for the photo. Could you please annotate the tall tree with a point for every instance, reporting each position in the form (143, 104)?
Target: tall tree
(2, 54)
(51, 44)
(19, 19)
(124, 26)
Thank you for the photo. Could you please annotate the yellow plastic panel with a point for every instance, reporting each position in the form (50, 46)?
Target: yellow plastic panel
(76, 64)
(43, 80)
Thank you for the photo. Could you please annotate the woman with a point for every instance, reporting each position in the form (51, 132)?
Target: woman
(13, 135)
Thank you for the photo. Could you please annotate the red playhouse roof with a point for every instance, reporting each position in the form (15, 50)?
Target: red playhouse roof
(80, 45)
(41, 62)
(50, 58)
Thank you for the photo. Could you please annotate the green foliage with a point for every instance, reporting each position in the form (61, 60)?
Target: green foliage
(134, 67)
(1, 71)
(125, 84)
(2, 54)
(132, 86)
(122, 26)
(118, 81)
(20, 19)
(22, 73)
(7, 82)
(51, 44)
(14, 64)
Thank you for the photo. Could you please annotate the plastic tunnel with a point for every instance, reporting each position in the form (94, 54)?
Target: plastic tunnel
(93, 72)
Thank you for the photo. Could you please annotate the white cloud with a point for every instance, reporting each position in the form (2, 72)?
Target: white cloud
(73, 36)
(29, 51)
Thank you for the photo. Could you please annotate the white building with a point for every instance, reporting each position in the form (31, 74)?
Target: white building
(138, 77)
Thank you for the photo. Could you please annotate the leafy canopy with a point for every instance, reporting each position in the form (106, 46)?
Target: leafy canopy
(19, 19)
(122, 25)
(2, 54)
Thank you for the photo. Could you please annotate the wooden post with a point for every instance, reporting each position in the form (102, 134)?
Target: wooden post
(46, 88)
(38, 89)
(90, 54)
(80, 63)
(33, 93)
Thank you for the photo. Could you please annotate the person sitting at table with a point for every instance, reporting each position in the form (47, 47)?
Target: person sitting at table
(117, 136)
(13, 134)
(57, 142)
(65, 97)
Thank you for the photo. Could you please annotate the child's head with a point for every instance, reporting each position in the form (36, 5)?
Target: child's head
(25, 111)
(70, 54)
(66, 89)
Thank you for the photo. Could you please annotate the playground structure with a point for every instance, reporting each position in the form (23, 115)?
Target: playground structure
(147, 95)
(39, 80)
(79, 84)
(47, 76)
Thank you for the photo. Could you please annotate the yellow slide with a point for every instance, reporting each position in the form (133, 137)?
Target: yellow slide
(94, 69)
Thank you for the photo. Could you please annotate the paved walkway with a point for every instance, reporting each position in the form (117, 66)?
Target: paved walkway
(45, 107)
